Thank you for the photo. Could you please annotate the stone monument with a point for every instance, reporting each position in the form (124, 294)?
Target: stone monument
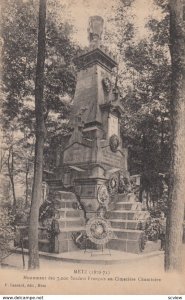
(90, 203)
(95, 149)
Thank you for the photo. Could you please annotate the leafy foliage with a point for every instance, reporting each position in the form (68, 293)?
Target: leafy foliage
(144, 77)
(144, 83)
(6, 231)
(19, 46)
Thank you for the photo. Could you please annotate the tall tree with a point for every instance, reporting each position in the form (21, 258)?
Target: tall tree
(143, 79)
(173, 255)
(19, 36)
(40, 137)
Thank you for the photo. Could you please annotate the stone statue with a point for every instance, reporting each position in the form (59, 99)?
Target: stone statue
(95, 29)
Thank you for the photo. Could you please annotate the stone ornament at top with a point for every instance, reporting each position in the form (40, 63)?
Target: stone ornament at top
(95, 29)
(96, 51)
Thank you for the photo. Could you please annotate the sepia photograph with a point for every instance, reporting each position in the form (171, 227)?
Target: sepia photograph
(92, 147)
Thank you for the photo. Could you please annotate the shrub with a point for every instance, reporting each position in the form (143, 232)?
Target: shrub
(7, 232)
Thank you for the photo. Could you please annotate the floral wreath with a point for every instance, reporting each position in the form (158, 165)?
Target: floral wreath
(113, 184)
(98, 230)
(114, 142)
(103, 195)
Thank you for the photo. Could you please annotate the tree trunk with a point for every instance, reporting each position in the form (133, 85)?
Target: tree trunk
(26, 183)
(173, 255)
(39, 145)
(161, 168)
(11, 175)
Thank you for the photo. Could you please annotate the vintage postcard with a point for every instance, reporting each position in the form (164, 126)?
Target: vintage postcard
(85, 148)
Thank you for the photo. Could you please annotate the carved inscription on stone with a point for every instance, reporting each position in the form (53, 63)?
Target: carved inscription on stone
(115, 159)
(112, 125)
(77, 153)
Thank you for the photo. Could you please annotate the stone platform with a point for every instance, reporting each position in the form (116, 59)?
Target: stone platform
(95, 257)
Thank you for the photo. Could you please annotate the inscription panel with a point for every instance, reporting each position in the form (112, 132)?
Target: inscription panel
(113, 159)
(112, 125)
(77, 153)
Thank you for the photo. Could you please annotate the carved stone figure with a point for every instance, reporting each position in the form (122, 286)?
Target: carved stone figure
(106, 85)
(95, 29)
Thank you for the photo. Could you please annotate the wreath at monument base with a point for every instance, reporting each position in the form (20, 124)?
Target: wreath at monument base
(124, 183)
(103, 195)
(82, 241)
(98, 230)
(113, 184)
(114, 142)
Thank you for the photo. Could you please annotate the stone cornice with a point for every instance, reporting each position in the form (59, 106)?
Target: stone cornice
(96, 55)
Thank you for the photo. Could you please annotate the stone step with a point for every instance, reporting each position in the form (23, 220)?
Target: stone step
(64, 241)
(55, 188)
(44, 244)
(132, 246)
(124, 215)
(152, 246)
(65, 204)
(126, 198)
(66, 233)
(71, 222)
(65, 246)
(127, 234)
(128, 206)
(73, 229)
(43, 233)
(69, 213)
(128, 214)
(65, 196)
(128, 224)
(54, 182)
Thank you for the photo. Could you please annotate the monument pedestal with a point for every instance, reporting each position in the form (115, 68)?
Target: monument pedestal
(87, 188)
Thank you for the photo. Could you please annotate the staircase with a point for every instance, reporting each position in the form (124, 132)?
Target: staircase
(128, 221)
(68, 220)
